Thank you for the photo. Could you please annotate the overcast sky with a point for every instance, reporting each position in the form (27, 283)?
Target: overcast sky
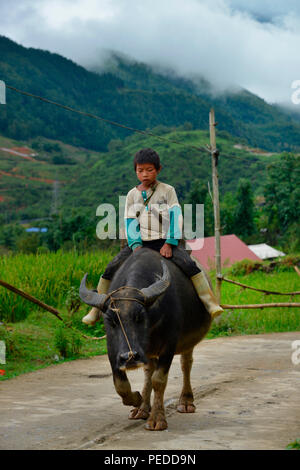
(251, 43)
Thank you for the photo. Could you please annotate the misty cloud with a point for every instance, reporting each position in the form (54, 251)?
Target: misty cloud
(272, 11)
(230, 42)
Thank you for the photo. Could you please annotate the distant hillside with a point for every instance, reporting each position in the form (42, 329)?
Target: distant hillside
(34, 176)
(127, 92)
(60, 177)
(113, 174)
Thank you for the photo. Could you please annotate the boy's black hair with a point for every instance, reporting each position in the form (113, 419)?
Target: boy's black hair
(147, 156)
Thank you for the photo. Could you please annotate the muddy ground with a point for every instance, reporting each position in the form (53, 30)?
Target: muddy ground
(246, 392)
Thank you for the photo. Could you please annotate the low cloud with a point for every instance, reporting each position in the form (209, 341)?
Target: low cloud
(229, 42)
(272, 11)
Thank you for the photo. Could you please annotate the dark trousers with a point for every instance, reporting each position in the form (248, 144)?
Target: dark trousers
(179, 256)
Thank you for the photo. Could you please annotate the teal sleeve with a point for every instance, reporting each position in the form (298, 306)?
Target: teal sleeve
(133, 233)
(174, 232)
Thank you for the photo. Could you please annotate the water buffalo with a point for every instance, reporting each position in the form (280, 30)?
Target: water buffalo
(151, 312)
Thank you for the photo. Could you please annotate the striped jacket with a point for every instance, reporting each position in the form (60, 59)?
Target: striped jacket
(153, 214)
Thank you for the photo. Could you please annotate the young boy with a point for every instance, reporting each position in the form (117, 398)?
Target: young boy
(153, 219)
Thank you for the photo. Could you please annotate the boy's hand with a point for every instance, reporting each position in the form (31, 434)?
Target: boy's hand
(166, 250)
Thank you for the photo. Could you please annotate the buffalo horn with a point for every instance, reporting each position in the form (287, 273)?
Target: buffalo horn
(91, 297)
(159, 287)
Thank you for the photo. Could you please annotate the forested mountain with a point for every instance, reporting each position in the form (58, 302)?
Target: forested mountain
(127, 92)
(58, 166)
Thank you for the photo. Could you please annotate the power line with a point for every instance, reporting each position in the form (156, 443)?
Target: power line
(123, 126)
(108, 121)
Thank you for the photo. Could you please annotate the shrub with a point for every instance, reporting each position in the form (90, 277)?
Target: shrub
(246, 266)
(73, 301)
(10, 343)
(42, 250)
(29, 243)
(61, 341)
(67, 342)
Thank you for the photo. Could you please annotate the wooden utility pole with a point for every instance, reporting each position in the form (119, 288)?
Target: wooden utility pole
(215, 179)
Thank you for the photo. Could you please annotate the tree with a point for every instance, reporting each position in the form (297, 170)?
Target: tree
(209, 221)
(73, 227)
(197, 195)
(228, 206)
(29, 243)
(282, 195)
(9, 235)
(244, 214)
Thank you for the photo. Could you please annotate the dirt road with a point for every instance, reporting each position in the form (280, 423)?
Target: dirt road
(246, 391)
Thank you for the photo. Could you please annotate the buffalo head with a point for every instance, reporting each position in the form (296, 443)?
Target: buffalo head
(126, 317)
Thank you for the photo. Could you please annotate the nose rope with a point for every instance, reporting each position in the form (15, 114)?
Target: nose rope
(114, 308)
(117, 310)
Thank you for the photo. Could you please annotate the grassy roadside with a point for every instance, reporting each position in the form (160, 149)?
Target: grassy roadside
(42, 340)
(39, 339)
(258, 321)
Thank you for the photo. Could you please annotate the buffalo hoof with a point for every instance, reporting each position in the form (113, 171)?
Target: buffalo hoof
(158, 425)
(137, 401)
(186, 408)
(134, 399)
(138, 413)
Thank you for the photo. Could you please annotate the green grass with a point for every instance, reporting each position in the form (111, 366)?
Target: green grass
(37, 341)
(31, 334)
(48, 277)
(269, 320)
(35, 338)
(294, 445)
(32, 344)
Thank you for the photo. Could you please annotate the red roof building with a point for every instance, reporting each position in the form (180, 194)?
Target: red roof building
(232, 250)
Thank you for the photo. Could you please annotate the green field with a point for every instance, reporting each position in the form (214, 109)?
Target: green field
(269, 320)
(35, 338)
(48, 277)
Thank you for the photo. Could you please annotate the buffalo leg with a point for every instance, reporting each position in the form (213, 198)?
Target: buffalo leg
(123, 388)
(143, 411)
(157, 419)
(186, 401)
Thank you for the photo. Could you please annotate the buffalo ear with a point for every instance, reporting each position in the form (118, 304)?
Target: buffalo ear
(159, 287)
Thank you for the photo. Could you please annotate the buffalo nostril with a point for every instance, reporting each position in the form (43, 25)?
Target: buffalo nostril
(129, 356)
(124, 356)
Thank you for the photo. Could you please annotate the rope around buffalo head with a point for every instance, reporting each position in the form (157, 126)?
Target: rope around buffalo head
(115, 309)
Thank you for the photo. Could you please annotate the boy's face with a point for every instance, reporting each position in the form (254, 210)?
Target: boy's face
(146, 173)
